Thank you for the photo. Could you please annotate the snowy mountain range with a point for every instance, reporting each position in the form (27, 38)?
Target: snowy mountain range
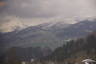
(50, 35)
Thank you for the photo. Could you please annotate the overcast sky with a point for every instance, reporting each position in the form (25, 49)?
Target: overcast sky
(33, 12)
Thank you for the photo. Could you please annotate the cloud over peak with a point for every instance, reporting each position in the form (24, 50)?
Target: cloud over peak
(34, 12)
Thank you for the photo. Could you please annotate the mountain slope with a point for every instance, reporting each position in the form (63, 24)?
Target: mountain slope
(45, 35)
(76, 50)
(77, 30)
(19, 54)
(32, 36)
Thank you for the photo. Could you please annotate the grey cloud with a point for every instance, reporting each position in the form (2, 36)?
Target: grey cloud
(27, 8)
(51, 8)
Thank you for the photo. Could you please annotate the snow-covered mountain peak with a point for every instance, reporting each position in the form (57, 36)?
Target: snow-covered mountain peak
(54, 25)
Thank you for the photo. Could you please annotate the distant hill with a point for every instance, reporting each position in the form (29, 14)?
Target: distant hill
(80, 29)
(46, 35)
(33, 36)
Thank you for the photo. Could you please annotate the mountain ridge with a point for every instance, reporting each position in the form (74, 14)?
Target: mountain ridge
(38, 36)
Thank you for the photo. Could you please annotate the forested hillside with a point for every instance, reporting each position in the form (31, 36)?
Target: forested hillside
(76, 50)
(16, 55)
